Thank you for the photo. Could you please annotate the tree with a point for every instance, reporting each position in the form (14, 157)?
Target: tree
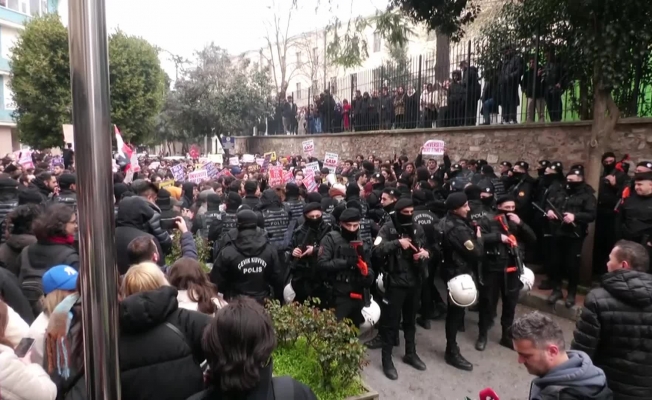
(313, 65)
(219, 94)
(41, 83)
(395, 71)
(137, 86)
(278, 43)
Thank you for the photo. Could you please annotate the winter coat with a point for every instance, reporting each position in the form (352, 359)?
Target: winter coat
(16, 328)
(11, 293)
(11, 249)
(187, 303)
(37, 332)
(20, 381)
(615, 330)
(160, 347)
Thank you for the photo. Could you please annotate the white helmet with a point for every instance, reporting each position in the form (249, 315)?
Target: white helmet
(527, 277)
(288, 293)
(371, 316)
(462, 290)
(379, 283)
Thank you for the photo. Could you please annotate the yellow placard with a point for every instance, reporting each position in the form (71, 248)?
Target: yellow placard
(164, 184)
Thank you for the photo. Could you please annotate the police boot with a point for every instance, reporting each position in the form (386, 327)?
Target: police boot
(375, 343)
(411, 358)
(481, 343)
(570, 299)
(455, 359)
(424, 323)
(506, 339)
(555, 296)
(388, 367)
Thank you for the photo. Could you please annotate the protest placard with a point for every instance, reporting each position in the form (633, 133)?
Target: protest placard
(58, 160)
(288, 176)
(248, 158)
(309, 180)
(433, 148)
(234, 161)
(260, 161)
(308, 146)
(198, 176)
(314, 166)
(177, 172)
(164, 184)
(210, 169)
(275, 176)
(272, 156)
(26, 159)
(331, 160)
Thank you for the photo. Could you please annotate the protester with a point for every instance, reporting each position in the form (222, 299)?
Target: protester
(21, 235)
(196, 292)
(238, 345)
(20, 379)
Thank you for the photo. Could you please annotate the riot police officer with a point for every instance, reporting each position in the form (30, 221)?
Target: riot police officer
(211, 216)
(501, 269)
(522, 187)
(401, 243)
(462, 249)
(249, 264)
(293, 203)
(635, 212)
(344, 267)
(276, 220)
(67, 191)
(570, 212)
(304, 249)
(228, 222)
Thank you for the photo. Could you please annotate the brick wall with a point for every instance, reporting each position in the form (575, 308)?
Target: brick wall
(566, 142)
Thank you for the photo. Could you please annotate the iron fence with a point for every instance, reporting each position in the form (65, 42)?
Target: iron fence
(469, 83)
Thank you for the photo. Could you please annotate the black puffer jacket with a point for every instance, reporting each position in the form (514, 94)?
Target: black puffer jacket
(132, 222)
(160, 347)
(11, 249)
(615, 330)
(8, 201)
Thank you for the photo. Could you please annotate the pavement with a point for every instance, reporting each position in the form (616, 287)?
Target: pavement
(496, 367)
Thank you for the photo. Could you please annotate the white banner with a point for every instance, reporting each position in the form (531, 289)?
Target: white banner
(433, 148)
(308, 146)
(314, 166)
(198, 176)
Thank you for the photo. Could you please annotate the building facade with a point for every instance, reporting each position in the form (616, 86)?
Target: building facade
(13, 15)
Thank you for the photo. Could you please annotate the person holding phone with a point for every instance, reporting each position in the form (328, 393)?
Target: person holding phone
(19, 378)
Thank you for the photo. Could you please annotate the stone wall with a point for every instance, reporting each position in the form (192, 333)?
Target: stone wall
(566, 142)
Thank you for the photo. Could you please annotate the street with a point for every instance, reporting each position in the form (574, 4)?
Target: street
(496, 367)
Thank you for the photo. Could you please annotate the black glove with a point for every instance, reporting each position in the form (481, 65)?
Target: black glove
(350, 255)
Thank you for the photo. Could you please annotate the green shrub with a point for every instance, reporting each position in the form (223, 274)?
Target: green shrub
(316, 349)
(203, 250)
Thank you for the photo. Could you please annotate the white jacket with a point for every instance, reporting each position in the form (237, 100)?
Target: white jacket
(185, 301)
(16, 328)
(37, 332)
(20, 381)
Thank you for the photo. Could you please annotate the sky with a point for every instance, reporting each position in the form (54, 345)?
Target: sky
(181, 27)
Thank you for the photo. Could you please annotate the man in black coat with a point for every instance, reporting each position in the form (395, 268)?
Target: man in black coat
(67, 191)
(8, 201)
(615, 328)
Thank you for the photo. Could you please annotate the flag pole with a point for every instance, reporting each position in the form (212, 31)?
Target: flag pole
(89, 76)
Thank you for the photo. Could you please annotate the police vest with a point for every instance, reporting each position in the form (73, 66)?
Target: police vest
(423, 217)
(252, 265)
(295, 207)
(69, 200)
(365, 232)
(276, 224)
(499, 187)
(209, 218)
(230, 221)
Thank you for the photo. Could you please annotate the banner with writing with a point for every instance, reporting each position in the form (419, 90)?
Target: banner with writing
(210, 169)
(234, 161)
(177, 172)
(309, 180)
(330, 161)
(164, 184)
(288, 176)
(198, 176)
(433, 148)
(275, 176)
(248, 158)
(308, 146)
(314, 166)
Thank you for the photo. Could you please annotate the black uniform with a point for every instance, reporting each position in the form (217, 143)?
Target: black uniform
(8, 201)
(568, 239)
(522, 189)
(635, 220)
(547, 186)
(306, 281)
(462, 252)
(67, 197)
(500, 275)
(431, 300)
(337, 261)
(276, 220)
(403, 277)
(293, 204)
(605, 234)
(248, 265)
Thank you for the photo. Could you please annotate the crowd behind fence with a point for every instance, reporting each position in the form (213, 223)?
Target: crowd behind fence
(508, 85)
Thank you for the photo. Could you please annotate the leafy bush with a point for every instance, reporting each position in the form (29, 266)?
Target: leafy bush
(316, 349)
(203, 250)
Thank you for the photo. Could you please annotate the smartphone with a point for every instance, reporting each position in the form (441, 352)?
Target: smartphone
(24, 347)
(168, 223)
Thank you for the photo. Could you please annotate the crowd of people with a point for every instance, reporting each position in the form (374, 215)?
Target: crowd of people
(457, 101)
(370, 239)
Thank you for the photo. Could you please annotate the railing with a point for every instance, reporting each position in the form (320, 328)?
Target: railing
(473, 83)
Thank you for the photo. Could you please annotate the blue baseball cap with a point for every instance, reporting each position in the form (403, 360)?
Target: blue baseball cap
(60, 277)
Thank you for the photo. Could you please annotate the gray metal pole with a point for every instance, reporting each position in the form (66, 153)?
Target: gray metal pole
(89, 75)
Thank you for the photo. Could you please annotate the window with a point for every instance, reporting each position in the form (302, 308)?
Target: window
(298, 93)
(8, 41)
(298, 57)
(377, 40)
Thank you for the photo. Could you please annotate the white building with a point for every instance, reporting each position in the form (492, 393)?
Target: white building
(13, 15)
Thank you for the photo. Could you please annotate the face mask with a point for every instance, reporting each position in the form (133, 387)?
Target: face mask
(313, 222)
(403, 219)
(518, 175)
(541, 171)
(389, 208)
(548, 179)
(573, 185)
(349, 235)
(608, 168)
(487, 201)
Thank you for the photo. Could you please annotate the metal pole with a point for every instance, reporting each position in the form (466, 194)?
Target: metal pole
(468, 85)
(89, 76)
(535, 76)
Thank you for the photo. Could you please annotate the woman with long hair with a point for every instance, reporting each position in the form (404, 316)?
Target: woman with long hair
(196, 292)
(19, 379)
(160, 343)
(238, 345)
(19, 226)
(54, 230)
